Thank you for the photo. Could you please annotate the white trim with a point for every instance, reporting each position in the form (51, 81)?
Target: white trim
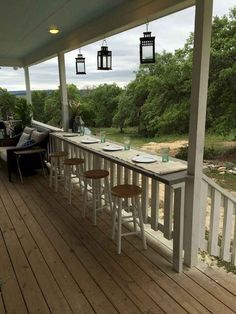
(201, 56)
(27, 85)
(63, 89)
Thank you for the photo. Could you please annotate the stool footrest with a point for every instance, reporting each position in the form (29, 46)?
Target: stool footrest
(129, 233)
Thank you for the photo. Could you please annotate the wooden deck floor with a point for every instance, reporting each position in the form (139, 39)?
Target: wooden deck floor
(54, 261)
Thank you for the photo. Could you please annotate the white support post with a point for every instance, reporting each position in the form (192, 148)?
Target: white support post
(63, 89)
(201, 56)
(27, 85)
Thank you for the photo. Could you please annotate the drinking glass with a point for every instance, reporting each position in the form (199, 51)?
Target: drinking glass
(81, 131)
(126, 143)
(165, 154)
(103, 136)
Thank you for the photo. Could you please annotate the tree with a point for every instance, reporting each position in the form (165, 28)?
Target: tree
(23, 111)
(221, 115)
(38, 105)
(7, 102)
(104, 102)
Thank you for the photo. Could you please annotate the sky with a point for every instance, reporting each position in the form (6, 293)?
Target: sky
(171, 33)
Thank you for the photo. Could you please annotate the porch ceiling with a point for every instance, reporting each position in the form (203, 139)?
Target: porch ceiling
(24, 26)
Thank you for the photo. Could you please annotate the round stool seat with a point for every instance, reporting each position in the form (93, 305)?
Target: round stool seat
(73, 161)
(58, 154)
(96, 174)
(126, 190)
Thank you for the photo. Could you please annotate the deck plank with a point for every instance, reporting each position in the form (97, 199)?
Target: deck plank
(39, 229)
(123, 278)
(226, 280)
(63, 222)
(70, 289)
(2, 307)
(213, 288)
(29, 286)
(180, 296)
(97, 299)
(10, 289)
(205, 300)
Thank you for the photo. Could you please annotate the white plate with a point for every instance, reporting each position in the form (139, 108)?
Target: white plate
(70, 135)
(144, 159)
(112, 148)
(90, 141)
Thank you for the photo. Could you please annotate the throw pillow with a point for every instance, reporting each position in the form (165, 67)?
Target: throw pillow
(23, 138)
(38, 136)
(28, 143)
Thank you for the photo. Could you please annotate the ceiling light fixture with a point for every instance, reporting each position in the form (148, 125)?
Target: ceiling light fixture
(53, 30)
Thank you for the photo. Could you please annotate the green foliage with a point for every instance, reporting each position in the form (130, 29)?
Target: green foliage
(23, 111)
(38, 105)
(104, 102)
(222, 89)
(7, 104)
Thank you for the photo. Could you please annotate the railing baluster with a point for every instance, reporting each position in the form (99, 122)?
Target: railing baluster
(144, 204)
(178, 227)
(233, 257)
(214, 222)
(119, 174)
(155, 204)
(202, 222)
(135, 178)
(227, 228)
(168, 212)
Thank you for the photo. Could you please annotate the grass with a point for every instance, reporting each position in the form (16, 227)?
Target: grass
(211, 140)
(137, 140)
(226, 181)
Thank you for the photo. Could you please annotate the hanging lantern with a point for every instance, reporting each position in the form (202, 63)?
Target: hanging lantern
(147, 48)
(80, 64)
(104, 57)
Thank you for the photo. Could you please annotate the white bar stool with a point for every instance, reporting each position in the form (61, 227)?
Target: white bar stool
(96, 177)
(56, 169)
(120, 193)
(73, 168)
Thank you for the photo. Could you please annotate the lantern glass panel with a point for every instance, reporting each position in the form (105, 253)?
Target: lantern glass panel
(80, 67)
(109, 61)
(104, 61)
(147, 52)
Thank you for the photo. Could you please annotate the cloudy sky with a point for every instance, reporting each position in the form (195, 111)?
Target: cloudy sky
(171, 33)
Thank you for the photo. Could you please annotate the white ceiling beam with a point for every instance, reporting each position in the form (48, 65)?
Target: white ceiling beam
(128, 15)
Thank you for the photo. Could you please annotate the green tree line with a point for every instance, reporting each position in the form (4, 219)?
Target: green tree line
(157, 101)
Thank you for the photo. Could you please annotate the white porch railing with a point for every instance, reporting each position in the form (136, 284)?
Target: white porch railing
(218, 221)
(158, 199)
(217, 233)
(44, 126)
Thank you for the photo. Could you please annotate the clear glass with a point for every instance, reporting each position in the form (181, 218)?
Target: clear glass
(165, 154)
(81, 67)
(126, 143)
(147, 52)
(103, 136)
(81, 131)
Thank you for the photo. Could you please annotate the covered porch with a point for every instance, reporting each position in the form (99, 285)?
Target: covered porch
(53, 260)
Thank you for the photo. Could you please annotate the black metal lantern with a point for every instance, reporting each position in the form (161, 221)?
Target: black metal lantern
(104, 57)
(80, 64)
(147, 48)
